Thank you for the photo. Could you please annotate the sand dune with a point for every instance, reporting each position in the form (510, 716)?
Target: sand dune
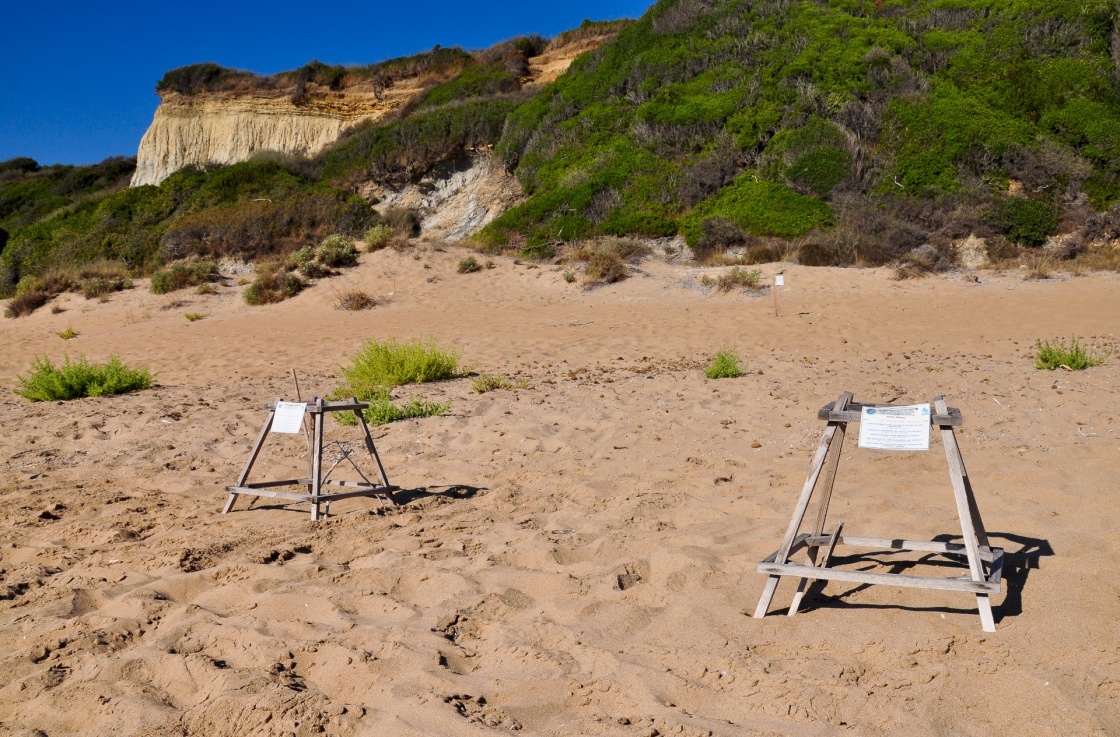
(572, 558)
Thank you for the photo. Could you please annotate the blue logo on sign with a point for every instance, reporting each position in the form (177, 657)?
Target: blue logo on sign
(925, 410)
(870, 411)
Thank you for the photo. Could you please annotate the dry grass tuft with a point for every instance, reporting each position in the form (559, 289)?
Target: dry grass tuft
(355, 301)
(739, 278)
(605, 259)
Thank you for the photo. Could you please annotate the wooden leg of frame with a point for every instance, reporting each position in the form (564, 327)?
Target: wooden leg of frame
(252, 459)
(767, 596)
(985, 606)
(317, 462)
(802, 585)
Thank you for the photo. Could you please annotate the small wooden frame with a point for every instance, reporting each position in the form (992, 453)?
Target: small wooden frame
(315, 482)
(985, 563)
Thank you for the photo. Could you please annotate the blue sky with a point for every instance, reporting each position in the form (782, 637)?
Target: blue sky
(79, 77)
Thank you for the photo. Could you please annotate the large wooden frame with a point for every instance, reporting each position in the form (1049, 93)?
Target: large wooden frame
(985, 563)
(315, 482)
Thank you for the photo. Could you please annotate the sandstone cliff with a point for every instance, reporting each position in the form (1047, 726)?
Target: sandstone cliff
(228, 129)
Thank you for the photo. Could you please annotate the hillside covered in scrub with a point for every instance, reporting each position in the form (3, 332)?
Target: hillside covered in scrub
(837, 132)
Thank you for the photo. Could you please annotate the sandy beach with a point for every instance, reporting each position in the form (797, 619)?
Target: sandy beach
(575, 556)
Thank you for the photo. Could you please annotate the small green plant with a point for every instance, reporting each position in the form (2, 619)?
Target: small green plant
(382, 411)
(725, 364)
(68, 334)
(182, 275)
(379, 236)
(469, 265)
(1072, 357)
(739, 278)
(206, 289)
(76, 379)
(569, 276)
(195, 316)
(488, 382)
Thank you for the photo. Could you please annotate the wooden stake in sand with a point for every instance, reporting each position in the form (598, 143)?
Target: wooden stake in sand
(282, 417)
(985, 563)
(779, 281)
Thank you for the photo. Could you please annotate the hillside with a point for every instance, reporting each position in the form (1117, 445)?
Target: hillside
(830, 133)
(888, 122)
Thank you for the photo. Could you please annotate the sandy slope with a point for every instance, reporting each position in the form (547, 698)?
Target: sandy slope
(573, 558)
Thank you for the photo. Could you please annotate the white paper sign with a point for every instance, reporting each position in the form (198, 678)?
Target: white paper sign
(780, 280)
(895, 428)
(289, 418)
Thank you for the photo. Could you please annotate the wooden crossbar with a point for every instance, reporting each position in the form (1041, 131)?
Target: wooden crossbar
(315, 482)
(985, 563)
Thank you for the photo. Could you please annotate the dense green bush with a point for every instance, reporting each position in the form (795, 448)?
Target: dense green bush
(853, 104)
(381, 365)
(1026, 222)
(76, 379)
(182, 275)
(273, 284)
(336, 252)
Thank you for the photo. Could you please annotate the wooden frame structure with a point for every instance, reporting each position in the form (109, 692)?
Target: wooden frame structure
(316, 479)
(985, 563)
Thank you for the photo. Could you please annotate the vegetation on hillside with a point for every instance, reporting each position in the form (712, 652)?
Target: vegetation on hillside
(842, 132)
(891, 122)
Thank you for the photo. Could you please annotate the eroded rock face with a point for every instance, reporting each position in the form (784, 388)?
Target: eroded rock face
(972, 252)
(457, 199)
(204, 130)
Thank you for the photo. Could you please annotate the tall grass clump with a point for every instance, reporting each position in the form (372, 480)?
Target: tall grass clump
(76, 379)
(25, 303)
(273, 284)
(381, 365)
(182, 275)
(725, 364)
(1072, 357)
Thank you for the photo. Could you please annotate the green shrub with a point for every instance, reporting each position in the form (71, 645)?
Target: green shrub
(302, 256)
(759, 208)
(25, 303)
(469, 265)
(195, 316)
(381, 365)
(1026, 222)
(386, 364)
(75, 379)
(1074, 356)
(725, 364)
(273, 284)
(336, 252)
(379, 236)
(68, 334)
(182, 275)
